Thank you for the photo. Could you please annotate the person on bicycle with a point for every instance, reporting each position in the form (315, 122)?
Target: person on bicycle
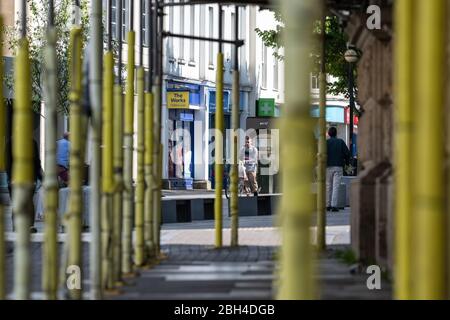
(249, 154)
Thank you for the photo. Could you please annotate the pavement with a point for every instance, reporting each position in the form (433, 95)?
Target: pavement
(194, 269)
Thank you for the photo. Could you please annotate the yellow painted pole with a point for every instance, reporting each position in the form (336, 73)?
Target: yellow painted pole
(148, 201)
(50, 250)
(22, 170)
(430, 224)
(297, 276)
(118, 180)
(403, 116)
(74, 215)
(234, 175)
(128, 157)
(107, 170)
(219, 152)
(140, 182)
(3, 183)
(322, 154)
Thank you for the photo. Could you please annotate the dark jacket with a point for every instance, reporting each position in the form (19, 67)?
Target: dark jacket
(338, 153)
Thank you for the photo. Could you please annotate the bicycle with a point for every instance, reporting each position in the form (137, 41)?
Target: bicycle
(227, 182)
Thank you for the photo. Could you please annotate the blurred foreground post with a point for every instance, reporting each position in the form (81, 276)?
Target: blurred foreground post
(429, 214)
(74, 215)
(50, 251)
(297, 279)
(404, 53)
(95, 92)
(22, 166)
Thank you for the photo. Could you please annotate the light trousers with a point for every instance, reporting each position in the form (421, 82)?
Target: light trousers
(334, 176)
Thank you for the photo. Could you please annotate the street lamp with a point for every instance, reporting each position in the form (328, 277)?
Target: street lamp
(351, 56)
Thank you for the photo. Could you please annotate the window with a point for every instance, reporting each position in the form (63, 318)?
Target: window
(211, 34)
(264, 66)
(125, 18)
(145, 17)
(182, 12)
(233, 31)
(243, 35)
(192, 32)
(275, 72)
(314, 82)
(170, 51)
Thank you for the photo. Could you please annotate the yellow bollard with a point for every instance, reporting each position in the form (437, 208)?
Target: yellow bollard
(430, 221)
(107, 171)
(297, 155)
(22, 170)
(148, 201)
(74, 215)
(140, 187)
(403, 173)
(128, 157)
(219, 152)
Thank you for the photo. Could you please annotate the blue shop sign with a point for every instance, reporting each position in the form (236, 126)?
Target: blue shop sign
(226, 101)
(333, 113)
(212, 101)
(194, 90)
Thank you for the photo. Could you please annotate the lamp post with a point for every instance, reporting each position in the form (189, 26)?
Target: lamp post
(351, 56)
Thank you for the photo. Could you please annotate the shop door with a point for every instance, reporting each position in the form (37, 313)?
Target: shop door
(180, 145)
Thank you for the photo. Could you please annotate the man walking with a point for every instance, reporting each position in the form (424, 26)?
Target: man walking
(62, 158)
(338, 156)
(249, 154)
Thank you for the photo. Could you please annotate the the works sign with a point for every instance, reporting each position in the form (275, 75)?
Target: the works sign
(178, 99)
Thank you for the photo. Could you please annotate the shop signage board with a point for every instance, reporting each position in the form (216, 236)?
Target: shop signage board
(178, 99)
(266, 107)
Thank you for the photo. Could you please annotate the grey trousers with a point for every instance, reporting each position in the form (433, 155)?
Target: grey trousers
(334, 176)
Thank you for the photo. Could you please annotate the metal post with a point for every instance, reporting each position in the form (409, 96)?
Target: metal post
(234, 209)
(50, 250)
(219, 137)
(322, 154)
(429, 194)
(95, 90)
(148, 115)
(352, 108)
(118, 157)
(3, 184)
(297, 276)
(403, 113)
(157, 108)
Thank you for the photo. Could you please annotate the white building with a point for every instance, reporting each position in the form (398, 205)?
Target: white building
(190, 67)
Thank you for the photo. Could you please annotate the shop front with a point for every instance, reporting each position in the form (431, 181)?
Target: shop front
(183, 102)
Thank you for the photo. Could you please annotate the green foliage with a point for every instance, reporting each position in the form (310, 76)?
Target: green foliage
(346, 256)
(37, 36)
(335, 47)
